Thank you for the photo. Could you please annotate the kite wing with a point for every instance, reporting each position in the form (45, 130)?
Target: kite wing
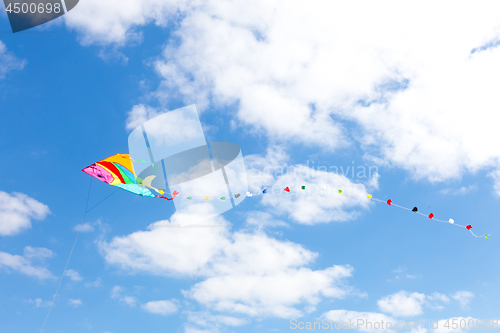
(118, 170)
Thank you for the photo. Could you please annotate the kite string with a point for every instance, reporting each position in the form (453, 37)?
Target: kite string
(97, 204)
(67, 262)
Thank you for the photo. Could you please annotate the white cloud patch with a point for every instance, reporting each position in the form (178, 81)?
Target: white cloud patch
(38, 302)
(16, 212)
(463, 298)
(206, 318)
(9, 61)
(164, 308)
(436, 301)
(402, 273)
(364, 320)
(402, 304)
(24, 264)
(461, 191)
(262, 220)
(74, 302)
(37, 253)
(261, 276)
(114, 21)
(117, 293)
(84, 227)
(128, 300)
(139, 114)
(164, 251)
(73, 275)
(113, 56)
(96, 284)
(244, 273)
(405, 304)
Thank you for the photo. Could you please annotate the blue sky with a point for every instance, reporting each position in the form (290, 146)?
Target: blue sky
(337, 92)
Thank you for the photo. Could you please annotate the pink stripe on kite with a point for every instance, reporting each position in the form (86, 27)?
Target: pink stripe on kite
(99, 173)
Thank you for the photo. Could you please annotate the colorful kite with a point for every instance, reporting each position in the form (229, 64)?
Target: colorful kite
(118, 170)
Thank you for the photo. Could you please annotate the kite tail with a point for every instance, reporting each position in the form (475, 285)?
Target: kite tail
(431, 216)
(173, 196)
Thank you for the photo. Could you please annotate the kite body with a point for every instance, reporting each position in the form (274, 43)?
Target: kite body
(118, 170)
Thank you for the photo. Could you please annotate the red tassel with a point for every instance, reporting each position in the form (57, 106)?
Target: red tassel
(389, 202)
(287, 189)
(173, 196)
(431, 215)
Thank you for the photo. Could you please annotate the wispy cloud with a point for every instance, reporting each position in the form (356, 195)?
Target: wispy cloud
(8, 61)
(463, 298)
(96, 284)
(164, 308)
(461, 191)
(116, 293)
(85, 227)
(74, 302)
(16, 212)
(226, 262)
(402, 304)
(73, 275)
(38, 302)
(24, 264)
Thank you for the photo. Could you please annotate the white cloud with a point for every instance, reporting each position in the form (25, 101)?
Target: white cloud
(262, 220)
(85, 227)
(461, 191)
(244, 273)
(37, 253)
(129, 300)
(8, 61)
(16, 212)
(463, 297)
(301, 71)
(402, 304)
(96, 284)
(164, 251)
(38, 302)
(139, 114)
(401, 272)
(195, 330)
(113, 55)
(73, 275)
(364, 321)
(114, 21)
(272, 295)
(436, 300)
(439, 297)
(163, 308)
(75, 302)
(116, 293)
(24, 264)
(206, 319)
(261, 276)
